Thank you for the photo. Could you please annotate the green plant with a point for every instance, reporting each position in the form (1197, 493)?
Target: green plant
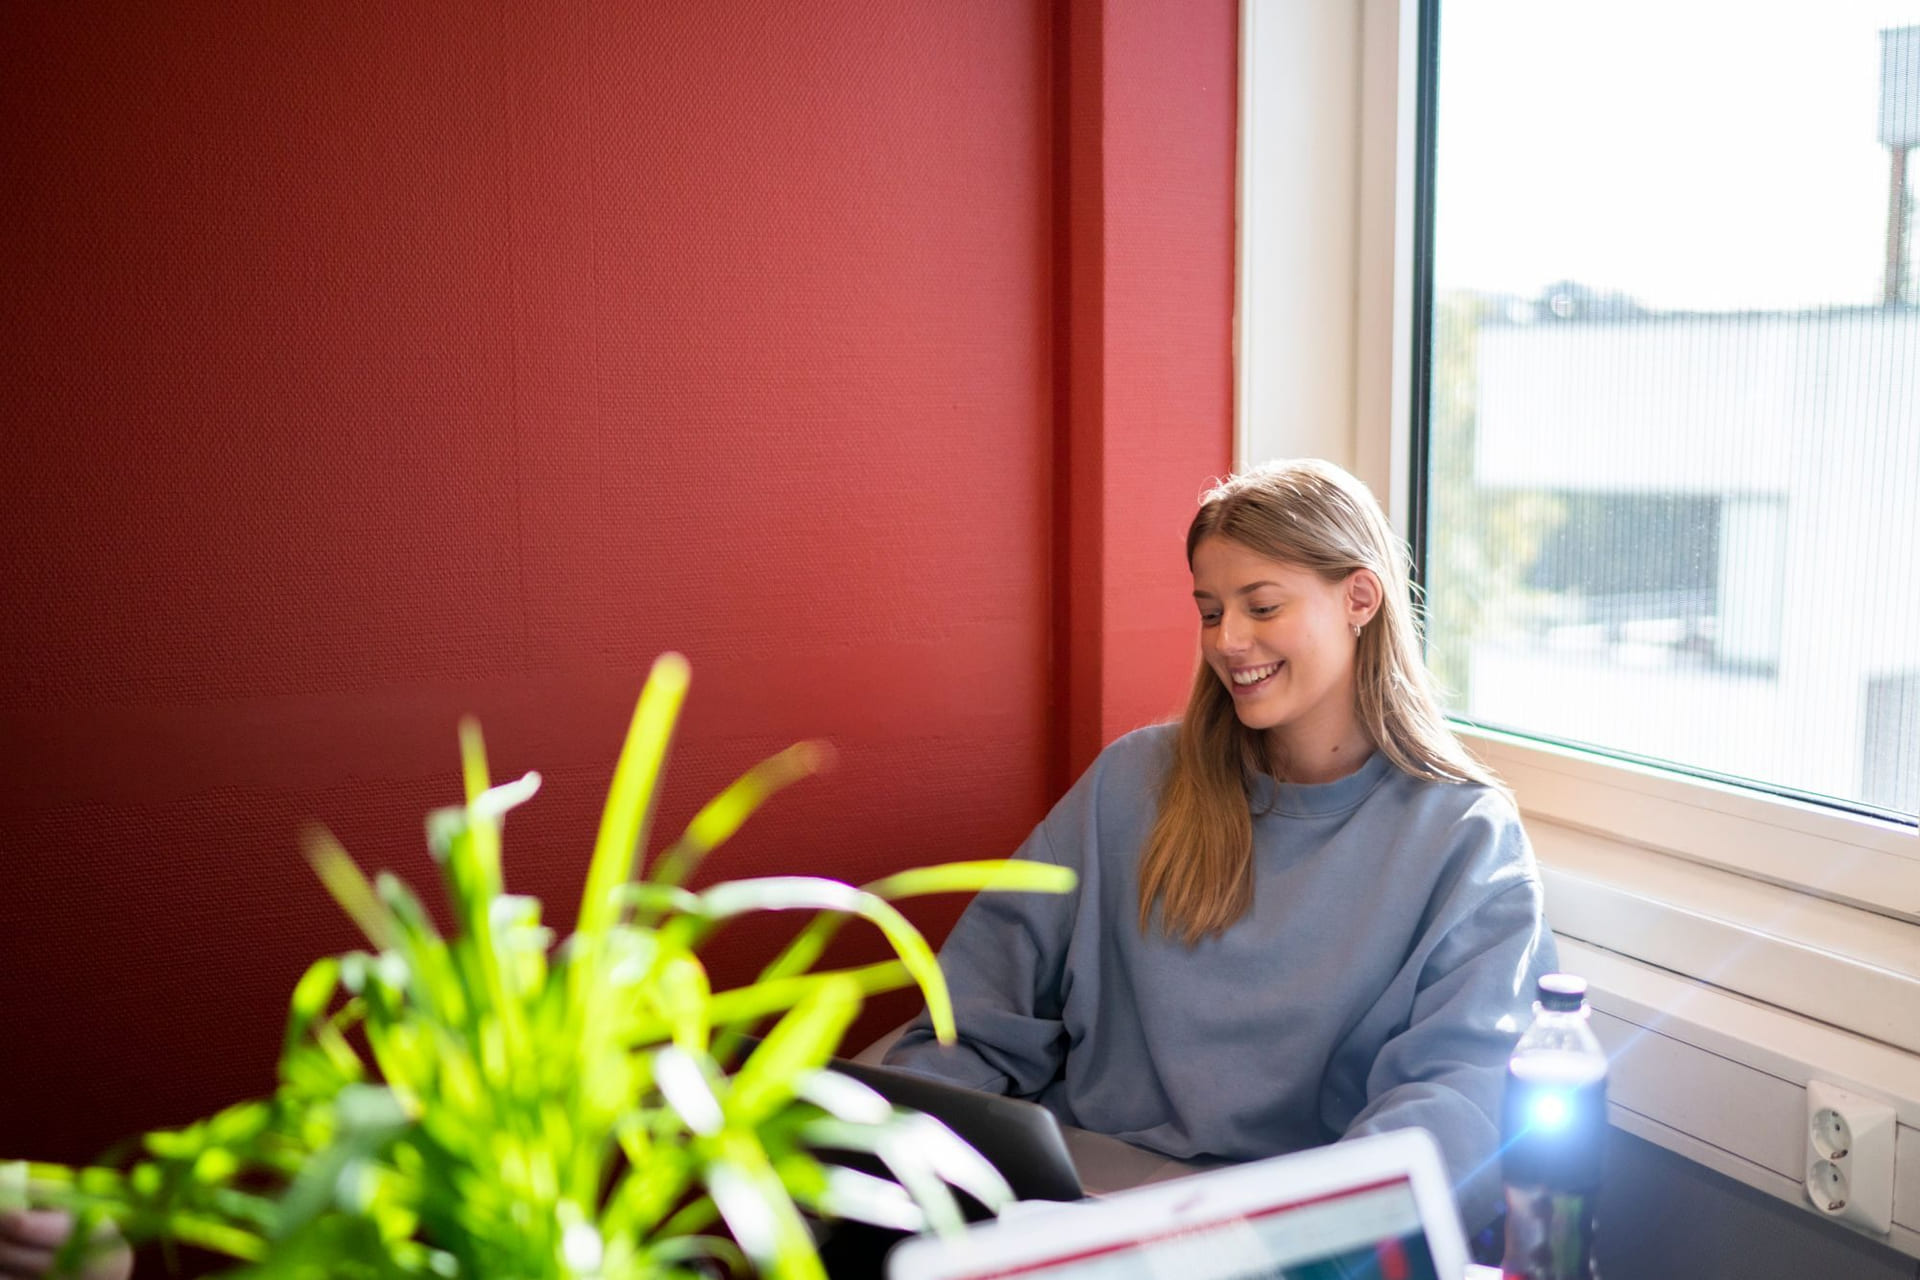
(485, 1104)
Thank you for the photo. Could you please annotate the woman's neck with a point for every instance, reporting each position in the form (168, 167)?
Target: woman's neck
(1310, 759)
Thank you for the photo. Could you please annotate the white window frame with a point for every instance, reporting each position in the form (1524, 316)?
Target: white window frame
(1831, 853)
(1763, 934)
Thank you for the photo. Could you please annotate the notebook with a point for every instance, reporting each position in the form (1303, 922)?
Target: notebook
(1378, 1207)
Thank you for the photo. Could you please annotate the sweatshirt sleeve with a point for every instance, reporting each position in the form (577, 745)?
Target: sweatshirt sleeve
(1005, 964)
(1446, 1069)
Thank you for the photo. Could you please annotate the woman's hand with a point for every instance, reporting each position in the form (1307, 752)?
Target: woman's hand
(30, 1239)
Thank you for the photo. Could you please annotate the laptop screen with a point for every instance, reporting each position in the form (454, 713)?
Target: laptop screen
(1374, 1208)
(1372, 1231)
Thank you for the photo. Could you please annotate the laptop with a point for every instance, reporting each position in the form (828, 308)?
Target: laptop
(1021, 1139)
(1379, 1207)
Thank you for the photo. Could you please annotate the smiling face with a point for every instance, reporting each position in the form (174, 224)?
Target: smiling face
(1280, 639)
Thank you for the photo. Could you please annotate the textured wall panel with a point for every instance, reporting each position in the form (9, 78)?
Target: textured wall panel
(1146, 325)
(369, 365)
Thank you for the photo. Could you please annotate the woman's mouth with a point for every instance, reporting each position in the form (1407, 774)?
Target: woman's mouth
(1246, 681)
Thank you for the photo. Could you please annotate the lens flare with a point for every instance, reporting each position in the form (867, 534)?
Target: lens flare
(1549, 1111)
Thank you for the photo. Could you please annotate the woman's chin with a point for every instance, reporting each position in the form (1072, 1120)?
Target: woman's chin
(1252, 714)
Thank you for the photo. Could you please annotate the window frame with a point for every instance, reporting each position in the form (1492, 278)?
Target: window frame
(1845, 857)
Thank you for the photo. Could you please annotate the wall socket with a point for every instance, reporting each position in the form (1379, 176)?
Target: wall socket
(1850, 1156)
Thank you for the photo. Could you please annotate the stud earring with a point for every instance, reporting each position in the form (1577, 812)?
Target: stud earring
(1356, 631)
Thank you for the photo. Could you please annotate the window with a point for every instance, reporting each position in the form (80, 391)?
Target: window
(1550, 413)
(1670, 485)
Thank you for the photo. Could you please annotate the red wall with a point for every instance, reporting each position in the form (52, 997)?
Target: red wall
(367, 365)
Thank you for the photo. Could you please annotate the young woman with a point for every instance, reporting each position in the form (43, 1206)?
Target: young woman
(1304, 912)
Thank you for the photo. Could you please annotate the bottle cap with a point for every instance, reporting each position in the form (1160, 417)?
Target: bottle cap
(1561, 992)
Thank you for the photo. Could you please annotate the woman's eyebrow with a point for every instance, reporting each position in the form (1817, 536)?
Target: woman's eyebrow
(1247, 590)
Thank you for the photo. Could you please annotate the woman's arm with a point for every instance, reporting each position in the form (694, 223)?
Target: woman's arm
(1446, 1070)
(1005, 962)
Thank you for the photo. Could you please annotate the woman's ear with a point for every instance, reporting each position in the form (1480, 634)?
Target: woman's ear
(1363, 596)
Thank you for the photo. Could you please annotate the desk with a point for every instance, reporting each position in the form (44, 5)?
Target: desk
(1107, 1165)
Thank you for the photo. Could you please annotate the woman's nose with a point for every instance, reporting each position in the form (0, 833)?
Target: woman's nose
(1230, 635)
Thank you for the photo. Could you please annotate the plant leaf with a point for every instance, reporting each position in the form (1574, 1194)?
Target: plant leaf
(348, 887)
(845, 1098)
(311, 996)
(691, 1248)
(993, 875)
(630, 800)
(368, 1119)
(789, 893)
(761, 999)
(759, 1211)
(724, 814)
(910, 1167)
(473, 759)
(687, 1090)
(793, 1050)
(850, 1193)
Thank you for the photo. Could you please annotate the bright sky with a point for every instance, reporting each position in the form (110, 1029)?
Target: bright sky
(1697, 154)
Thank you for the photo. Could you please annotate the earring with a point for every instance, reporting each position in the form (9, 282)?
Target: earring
(1356, 631)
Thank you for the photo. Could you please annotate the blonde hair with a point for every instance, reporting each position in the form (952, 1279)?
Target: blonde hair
(1198, 860)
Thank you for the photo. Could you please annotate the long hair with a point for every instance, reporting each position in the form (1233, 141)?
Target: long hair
(1198, 860)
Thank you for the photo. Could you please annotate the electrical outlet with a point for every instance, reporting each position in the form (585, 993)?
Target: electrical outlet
(1827, 1187)
(1850, 1156)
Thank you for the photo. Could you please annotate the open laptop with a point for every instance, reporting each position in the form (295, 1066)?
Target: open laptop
(1378, 1207)
(1021, 1139)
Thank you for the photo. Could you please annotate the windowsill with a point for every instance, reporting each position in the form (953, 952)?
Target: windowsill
(1851, 969)
(1811, 850)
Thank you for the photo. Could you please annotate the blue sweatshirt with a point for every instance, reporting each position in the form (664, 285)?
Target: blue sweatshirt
(1378, 982)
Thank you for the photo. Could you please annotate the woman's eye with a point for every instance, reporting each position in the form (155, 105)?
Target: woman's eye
(1208, 619)
(1264, 610)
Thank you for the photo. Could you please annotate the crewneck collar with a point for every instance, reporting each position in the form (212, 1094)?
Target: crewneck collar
(1318, 799)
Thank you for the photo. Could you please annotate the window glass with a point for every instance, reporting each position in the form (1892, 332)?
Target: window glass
(1673, 426)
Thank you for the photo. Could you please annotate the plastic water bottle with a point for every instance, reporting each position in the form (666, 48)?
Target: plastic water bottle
(1553, 1125)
